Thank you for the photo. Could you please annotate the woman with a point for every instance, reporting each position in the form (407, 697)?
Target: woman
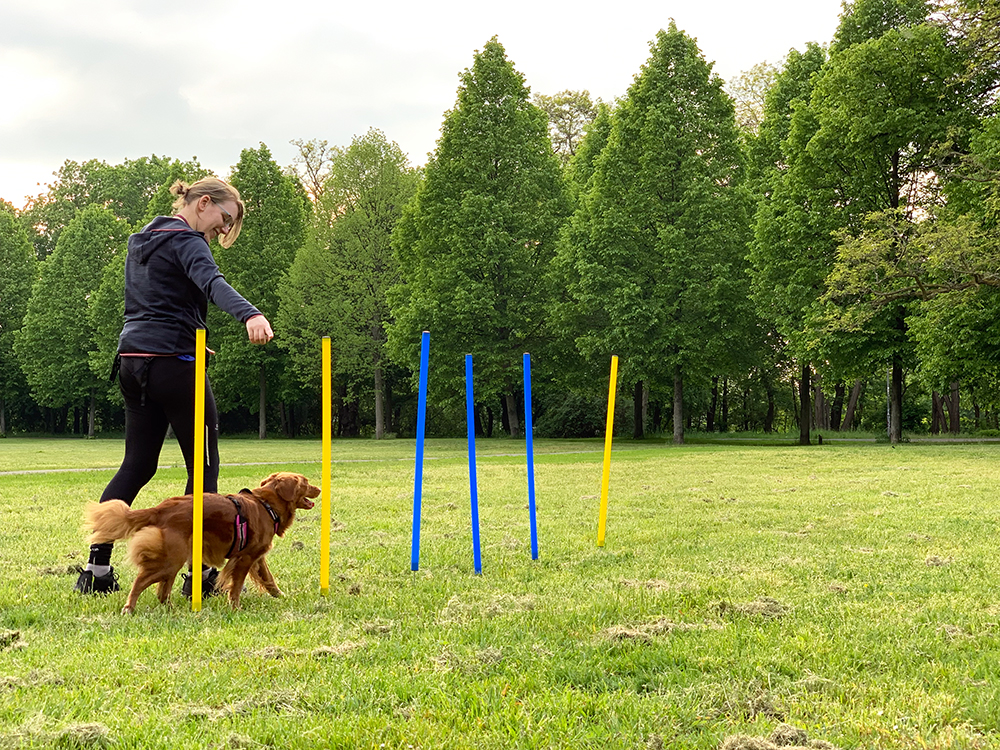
(170, 276)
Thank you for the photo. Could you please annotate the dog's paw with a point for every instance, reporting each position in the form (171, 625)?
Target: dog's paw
(127, 610)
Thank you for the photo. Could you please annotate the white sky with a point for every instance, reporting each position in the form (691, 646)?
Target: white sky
(122, 79)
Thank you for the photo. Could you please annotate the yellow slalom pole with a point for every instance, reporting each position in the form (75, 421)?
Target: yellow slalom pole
(324, 534)
(606, 476)
(199, 467)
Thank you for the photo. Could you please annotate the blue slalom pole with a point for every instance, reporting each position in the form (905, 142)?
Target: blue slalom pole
(474, 492)
(418, 479)
(531, 456)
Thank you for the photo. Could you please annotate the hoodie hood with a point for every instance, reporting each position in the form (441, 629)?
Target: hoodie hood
(158, 232)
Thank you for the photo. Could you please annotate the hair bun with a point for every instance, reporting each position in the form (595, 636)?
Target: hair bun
(179, 188)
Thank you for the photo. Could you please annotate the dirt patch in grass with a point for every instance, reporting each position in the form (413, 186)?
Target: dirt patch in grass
(340, 649)
(11, 640)
(33, 733)
(763, 607)
(933, 561)
(742, 703)
(459, 611)
(468, 665)
(646, 632)
(784, 737)
(35, 678)
(279, 701)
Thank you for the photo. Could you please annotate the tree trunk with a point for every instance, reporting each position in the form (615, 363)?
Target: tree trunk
(637, 423)
(937, 413)
(504, 418)
(678, 408)
(852, 405)
(819, 406)
(379, 404)
(3, 417)
(262, 420)
(896, 401)
(712, 405)
(954, 413)
(489, 422)
(645, 404)
(837, 408)
(724, 423)
(804, 405)
(478, 420)
(769, 417)
(92, 415)
(512, 416)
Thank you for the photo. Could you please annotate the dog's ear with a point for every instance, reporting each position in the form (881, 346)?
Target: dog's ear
(285, 485)
(269, 480)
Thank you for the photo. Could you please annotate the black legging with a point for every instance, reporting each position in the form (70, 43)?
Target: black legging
(158, 391)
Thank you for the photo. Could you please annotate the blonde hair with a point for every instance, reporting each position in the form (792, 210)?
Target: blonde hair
(218, 191)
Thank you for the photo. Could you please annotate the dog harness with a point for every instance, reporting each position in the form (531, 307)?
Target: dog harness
(241, 527)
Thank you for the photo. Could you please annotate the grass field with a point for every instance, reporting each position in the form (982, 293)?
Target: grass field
(848, 590)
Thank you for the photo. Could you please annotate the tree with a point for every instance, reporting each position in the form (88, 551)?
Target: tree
(312, 165)
(476, 242)
(338, 282)
(274, 228)
(882, 106)
(581, 166)
(55, 341)
(658, 240)
(124, 189)
(792, 248)
(569, 113)
(749, 93)
(17, 273)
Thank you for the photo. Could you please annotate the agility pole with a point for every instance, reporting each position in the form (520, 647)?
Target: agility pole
(529, 444)
(418, 479)
(198, 489)
(324, 533)
(470, 421)
(606, 474)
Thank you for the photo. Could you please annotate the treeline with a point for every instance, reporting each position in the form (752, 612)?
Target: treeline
(814, 245)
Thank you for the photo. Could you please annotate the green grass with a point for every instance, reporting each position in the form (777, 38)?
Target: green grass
(848, 589)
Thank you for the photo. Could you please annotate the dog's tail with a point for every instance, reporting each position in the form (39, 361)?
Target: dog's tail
(113, 520)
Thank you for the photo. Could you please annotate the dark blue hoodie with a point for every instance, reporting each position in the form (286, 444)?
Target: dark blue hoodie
(170, 275)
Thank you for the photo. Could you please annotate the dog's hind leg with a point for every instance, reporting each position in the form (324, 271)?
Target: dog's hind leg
(166, 586)
(263, 577)
(143, 581)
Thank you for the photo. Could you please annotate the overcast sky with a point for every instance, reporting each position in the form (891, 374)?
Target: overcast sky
(122, 79)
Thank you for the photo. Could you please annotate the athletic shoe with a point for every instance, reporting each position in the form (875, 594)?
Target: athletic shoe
(207, 584)
(88, 583)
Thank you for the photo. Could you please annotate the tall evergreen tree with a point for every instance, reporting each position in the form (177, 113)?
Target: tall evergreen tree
(55, 342)
(274, 228)
(659, 237)
(17, 273)
(338, 282)
(476, 242)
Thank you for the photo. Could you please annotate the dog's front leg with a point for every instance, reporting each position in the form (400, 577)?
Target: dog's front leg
(263, 577)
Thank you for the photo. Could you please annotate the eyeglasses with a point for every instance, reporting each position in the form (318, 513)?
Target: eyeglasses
(227, 218)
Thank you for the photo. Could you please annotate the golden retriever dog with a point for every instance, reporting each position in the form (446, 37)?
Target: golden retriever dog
(238, 527)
